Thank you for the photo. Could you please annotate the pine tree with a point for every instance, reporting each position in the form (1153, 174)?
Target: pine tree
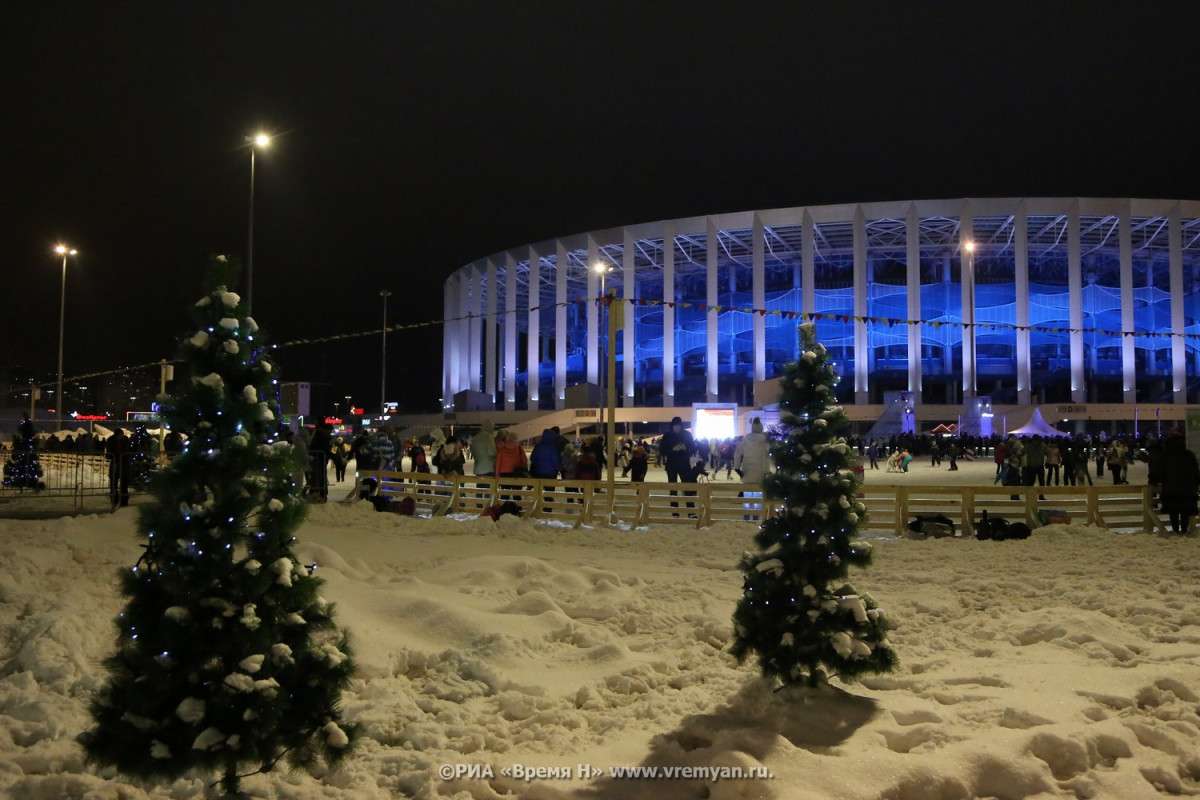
(23, 470)
(227, 656)
(141, 459)
(797, 612)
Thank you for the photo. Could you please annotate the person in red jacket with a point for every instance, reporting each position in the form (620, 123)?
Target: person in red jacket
(510, 456)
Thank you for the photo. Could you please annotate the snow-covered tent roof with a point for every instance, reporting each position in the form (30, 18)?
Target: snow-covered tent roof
(1036, 427)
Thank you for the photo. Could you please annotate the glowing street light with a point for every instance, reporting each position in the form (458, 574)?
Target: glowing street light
(64, 251)
(259, 140)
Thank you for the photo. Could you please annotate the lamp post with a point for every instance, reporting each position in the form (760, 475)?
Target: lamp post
(609, 384)
(255, 142)
(970, 248)
(64, 251)
(385, 294)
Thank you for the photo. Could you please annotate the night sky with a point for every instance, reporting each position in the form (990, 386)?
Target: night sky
(415, 137)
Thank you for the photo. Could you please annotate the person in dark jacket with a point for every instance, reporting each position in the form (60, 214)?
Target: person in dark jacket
(318, 455)
(639, 462)
(545, 461)
(677, 447)
(1180, 483)
(117, 451)
(587, 468)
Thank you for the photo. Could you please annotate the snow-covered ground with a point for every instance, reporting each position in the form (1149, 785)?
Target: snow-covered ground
(1066, 665)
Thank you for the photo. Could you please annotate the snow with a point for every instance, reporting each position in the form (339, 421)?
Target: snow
(1065, 665)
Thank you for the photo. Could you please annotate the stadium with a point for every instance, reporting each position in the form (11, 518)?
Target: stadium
(1084, 307)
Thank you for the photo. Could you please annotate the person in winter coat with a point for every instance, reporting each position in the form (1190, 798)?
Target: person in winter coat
(639, 462)
(483, 449)
(450, 458)
(1180, 483)
(299, 442)
(117, 450)
(751, 460)
(510, 456)
(588, 467)
(1116, 456)
(545, 460)
(385, 451)
(677, 447)
(339, 454)
(570, 460)
(318, 456)
(418, 460)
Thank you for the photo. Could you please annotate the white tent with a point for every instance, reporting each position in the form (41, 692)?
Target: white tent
(1036, 427)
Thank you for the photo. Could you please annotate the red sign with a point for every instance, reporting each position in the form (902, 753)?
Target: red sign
(91, 417)
(356, 411)
(333, 420)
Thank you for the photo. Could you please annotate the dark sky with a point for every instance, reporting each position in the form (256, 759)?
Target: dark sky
(415, 137)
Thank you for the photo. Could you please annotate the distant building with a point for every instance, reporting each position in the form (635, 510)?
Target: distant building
(1075, 300)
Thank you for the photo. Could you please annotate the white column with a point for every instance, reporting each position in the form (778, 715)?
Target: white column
(593, 313)
(712, 367)
(1075, 279)
(560, 326)
(1128, 343)
(1075, 323)
(1178, 322)
(449, 332)
(668, 317)
(912, 298)
(966, 263)
(862, 361)
(475, 330)
(533, 354)
(628, 286)
(1021, 278)
(511, 305)
(462, 334)
(492, 291)
(758, 298)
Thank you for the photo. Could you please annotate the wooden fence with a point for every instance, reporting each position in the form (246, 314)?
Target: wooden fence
(890, 508)
(577, 502)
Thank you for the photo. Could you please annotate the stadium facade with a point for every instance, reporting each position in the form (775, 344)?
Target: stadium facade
(1024, 300)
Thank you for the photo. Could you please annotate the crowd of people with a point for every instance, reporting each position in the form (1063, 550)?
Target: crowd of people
(1020, 461)
(553, 455)
(1059, 461)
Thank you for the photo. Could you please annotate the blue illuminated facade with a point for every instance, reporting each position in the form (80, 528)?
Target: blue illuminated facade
(1025, 300)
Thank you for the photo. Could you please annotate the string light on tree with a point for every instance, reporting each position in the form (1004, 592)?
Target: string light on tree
(827, 624)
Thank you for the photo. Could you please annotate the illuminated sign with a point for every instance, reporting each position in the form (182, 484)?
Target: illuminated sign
(91, 417)
(333, 420)
(357, 411)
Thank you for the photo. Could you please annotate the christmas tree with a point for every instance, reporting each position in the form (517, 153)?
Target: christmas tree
(23, 470)
(227, 656)
(797, 612)
(141, 458)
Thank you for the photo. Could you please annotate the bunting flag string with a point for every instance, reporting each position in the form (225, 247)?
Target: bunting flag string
(762, 312)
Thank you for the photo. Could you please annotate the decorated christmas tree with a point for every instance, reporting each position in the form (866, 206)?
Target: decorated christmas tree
(23, 470)
(141, 458)
(228, 659)
(797, 612)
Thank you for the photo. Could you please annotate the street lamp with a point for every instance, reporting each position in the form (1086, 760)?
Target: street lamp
(64, 251)
(970, 248)
(255, 142)
(602, 270)
(385, 294)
